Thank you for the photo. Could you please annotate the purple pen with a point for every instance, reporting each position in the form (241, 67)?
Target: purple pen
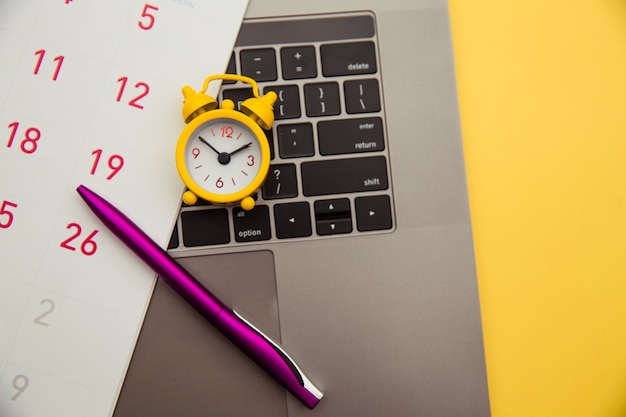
(262, 349)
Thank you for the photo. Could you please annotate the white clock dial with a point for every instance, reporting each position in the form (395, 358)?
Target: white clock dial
(223, 156)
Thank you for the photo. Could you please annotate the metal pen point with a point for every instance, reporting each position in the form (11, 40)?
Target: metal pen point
(259, 347)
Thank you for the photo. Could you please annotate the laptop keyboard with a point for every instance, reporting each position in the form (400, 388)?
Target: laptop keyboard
(329, 174)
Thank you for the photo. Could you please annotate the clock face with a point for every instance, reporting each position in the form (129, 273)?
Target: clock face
(223, 156)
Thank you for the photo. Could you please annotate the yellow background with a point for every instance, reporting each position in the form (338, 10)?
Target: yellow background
(542, 90)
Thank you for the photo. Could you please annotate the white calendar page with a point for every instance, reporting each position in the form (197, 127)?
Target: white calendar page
(90, 93)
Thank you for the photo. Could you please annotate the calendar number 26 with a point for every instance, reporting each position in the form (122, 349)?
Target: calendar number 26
(88, 245)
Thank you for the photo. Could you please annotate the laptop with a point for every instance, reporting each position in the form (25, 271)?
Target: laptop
(358, 256)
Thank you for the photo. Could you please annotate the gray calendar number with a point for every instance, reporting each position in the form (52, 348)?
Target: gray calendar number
(49, 309)
(20, 383)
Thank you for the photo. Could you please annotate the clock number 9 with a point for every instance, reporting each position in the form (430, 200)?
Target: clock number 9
(29, 144)
(20, 383)
(195, 152)
(115, 163)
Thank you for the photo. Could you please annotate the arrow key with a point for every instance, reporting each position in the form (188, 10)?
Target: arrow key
(373, 213)
(292, 220)
(333, 226)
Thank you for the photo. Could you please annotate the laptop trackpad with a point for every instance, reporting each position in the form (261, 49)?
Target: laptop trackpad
(183, 366)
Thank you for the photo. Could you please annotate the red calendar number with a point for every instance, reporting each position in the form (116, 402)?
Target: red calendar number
(148, 17)
(6, 215)
(28, 144)
(143, 88)
(88, 246)
(115, 163)
(40, 56)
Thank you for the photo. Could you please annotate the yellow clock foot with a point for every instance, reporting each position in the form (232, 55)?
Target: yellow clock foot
(190, 198)
(247, 203)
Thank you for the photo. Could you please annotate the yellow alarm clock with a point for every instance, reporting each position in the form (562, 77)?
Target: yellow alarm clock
(223, 155)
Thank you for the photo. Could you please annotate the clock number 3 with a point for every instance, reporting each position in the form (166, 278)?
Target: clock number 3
(147, 17)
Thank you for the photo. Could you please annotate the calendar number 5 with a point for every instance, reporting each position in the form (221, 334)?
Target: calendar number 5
(148, 17)
(6, 216)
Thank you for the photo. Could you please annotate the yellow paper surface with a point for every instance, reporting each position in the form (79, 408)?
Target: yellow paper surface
(542, 90)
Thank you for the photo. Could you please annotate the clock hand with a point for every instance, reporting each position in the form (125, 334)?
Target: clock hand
(222, 157)
(209, 145)
(240, 149)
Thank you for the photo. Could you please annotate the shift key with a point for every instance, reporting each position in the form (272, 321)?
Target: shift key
(340, 176)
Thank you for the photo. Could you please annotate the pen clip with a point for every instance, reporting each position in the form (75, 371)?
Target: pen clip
(300, 376)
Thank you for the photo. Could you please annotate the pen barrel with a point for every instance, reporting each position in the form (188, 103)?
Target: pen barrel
(268, 354)
(153, 255)
(259, 347)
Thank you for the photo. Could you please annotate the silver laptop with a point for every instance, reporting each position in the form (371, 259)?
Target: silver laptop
(358, 255)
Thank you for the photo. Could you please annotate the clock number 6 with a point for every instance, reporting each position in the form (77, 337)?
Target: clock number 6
(145, 13)
(88, 247)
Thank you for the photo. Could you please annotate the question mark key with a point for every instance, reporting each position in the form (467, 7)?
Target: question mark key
(281, 182)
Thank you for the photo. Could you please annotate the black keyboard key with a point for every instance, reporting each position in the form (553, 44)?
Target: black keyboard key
(287, 104)
(344, 176)
(351, 136)
(362, 96)
(259, 64)
(292, 220)
(205, 227)
(174, 239)
(322, 99)
(333, 216)
(269, 134)
(281, 182)
(325, 227)
(373, 213)
(348, 58)
(237, 95)
(295, 140)
(337, 207)
(231, 69)
(253, 225)
(298, 62)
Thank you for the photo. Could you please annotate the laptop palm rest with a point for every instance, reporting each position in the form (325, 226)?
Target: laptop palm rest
(183, 366)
